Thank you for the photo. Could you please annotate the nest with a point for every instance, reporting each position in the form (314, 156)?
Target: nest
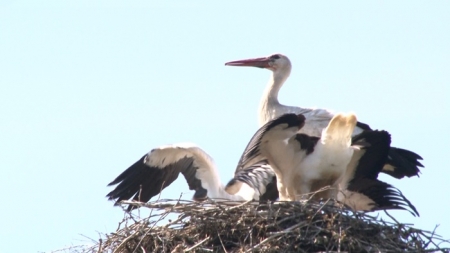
(226, 226)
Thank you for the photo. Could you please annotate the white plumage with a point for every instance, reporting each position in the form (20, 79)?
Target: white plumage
(302, 163)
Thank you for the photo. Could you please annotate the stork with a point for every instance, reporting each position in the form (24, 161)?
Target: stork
(303, 164)
(400, 162)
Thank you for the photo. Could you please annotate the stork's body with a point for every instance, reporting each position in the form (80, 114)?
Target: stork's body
(302, 163)
(401, 163)
(330, 158)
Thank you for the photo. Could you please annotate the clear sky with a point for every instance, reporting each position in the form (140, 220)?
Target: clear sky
(87, 88)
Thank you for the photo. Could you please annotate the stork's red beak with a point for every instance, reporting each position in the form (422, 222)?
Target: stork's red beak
(262, 62)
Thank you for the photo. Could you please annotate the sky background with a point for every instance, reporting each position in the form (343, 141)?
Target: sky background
(87, 88)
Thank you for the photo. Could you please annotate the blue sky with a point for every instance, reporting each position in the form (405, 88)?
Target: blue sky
(88, 87)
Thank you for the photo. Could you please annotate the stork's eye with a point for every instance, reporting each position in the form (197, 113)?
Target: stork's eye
(275, 57)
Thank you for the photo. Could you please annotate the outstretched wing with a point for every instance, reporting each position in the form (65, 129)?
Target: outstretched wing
(362, 190)
(372, 195)
(400, 162)
(155, 171)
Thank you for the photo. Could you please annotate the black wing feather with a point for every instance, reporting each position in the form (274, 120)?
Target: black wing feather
(374, 158)
(405, 162)
(142, 182)
(384, 195)
(307, 142)
(271, 193)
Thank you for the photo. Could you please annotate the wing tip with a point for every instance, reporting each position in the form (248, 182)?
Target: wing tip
(200, 195)
(383, 195)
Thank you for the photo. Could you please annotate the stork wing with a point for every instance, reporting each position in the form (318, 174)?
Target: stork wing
(258, 176)
(362, 189)
(400, 162)
(372, 194)
(369, 161)
(155, 171)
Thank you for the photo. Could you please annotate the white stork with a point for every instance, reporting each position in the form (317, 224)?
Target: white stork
(303, 163)
(400, 162)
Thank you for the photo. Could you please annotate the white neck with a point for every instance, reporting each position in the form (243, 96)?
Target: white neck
(269, 104)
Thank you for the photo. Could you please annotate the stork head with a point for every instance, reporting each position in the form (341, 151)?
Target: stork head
(273, 62)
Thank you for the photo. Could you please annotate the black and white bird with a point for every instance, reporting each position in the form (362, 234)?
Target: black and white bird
(303, 164)
(400, 162)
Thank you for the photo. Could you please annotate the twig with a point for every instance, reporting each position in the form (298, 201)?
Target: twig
(240, 205)
(100, 245)
(390, 216)
(197, 244)
(221, 243)
(124, 242)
